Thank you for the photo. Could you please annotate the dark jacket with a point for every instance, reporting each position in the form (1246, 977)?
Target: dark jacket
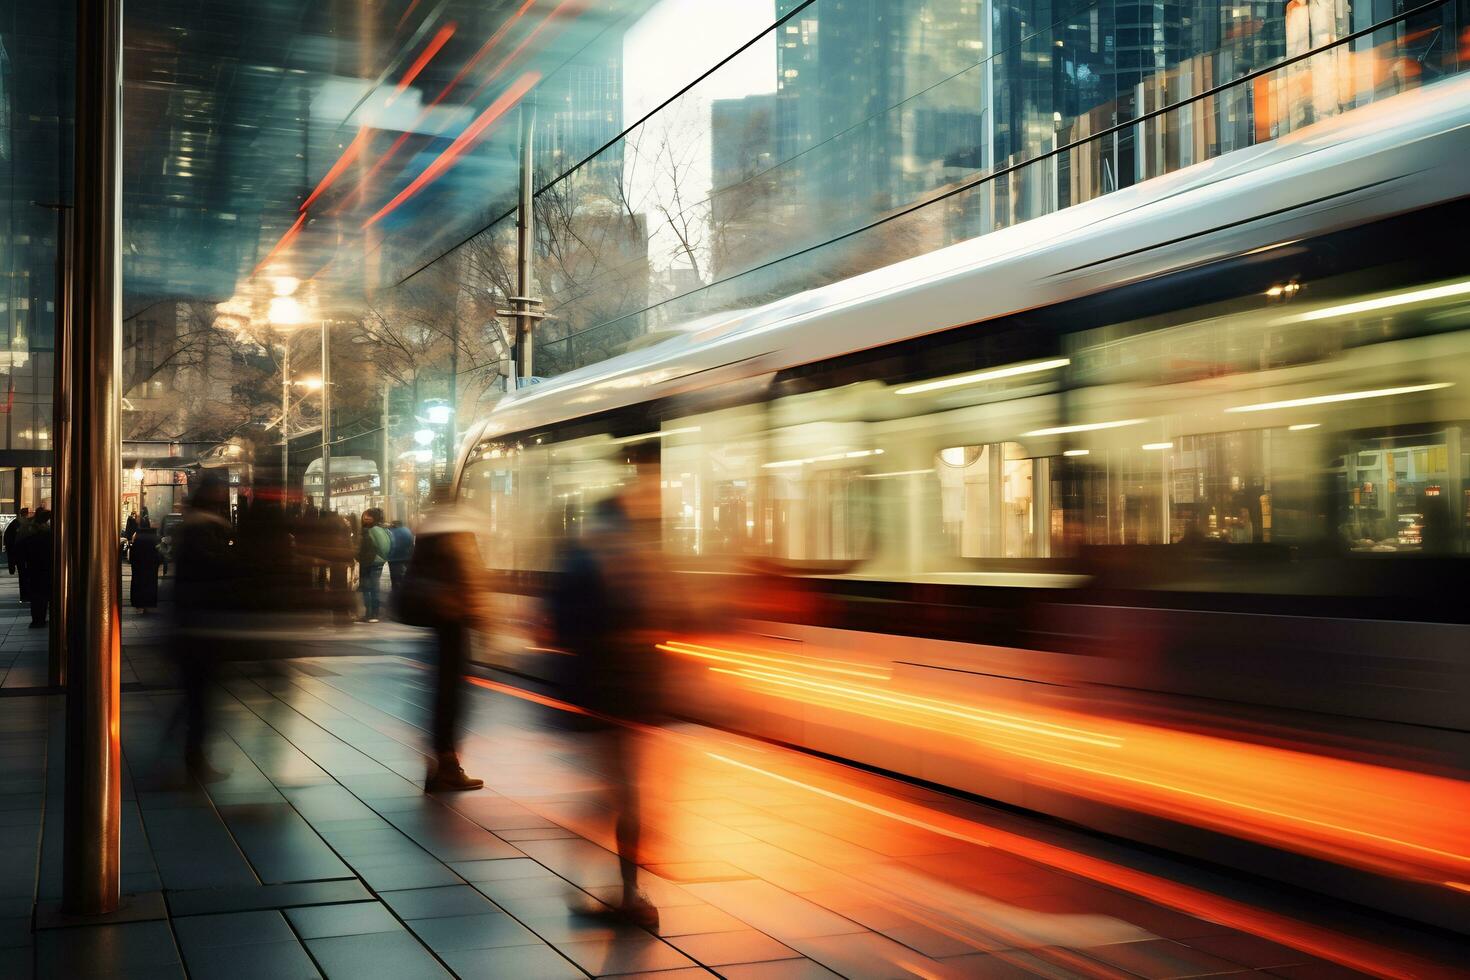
(11, 530)
(402, 539)
(609, 609)
(145, 559)
(35, 550)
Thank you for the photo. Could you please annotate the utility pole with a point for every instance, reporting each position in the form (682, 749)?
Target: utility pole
(285, 416)
(93, 783)
(523, 304)
(326, 418)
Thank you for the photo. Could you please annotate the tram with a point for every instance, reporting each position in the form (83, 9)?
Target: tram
(1150, 514)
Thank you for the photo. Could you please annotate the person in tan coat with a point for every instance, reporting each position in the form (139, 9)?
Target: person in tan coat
(447, 588)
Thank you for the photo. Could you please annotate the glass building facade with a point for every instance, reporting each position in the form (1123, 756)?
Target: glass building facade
(812, 141)
(35, 174)
(690, 159)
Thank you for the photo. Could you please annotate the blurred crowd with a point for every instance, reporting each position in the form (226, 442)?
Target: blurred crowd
(250, 582)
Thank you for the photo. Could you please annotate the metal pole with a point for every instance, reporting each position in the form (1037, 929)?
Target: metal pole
(326, 418)
(93, 749)
(525, 242)
(285, 414)
(449, 434)
(61, 395)
(387, 444)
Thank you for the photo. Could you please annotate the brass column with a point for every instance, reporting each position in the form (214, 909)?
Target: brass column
(93, 748)
(61, 395)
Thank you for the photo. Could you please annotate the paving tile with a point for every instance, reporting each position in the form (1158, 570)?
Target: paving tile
(772, 910)
(529, 962)
(1248, 950)
(197, 932)
(601, 958)
(356, 919)
(427, 903)
(260, 961)
(499, 869)
(802, 969)
(700, 871)
(1160, 959)
(1003, 966)
(281, 846)
(688, 920)
(484, 931)
(403, 877)
(535, 833)
(722, 948)
(866, 954)
(381, 954)
(206, 900)
(93, 951)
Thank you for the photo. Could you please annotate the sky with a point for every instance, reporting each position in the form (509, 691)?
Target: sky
(668, 48)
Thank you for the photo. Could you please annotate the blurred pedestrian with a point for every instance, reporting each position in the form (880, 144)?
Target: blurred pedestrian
(11, 530)
(204, 583)
(25, 526)
(129, 529)
(398, 556)
(36, 551)
(145, 558)
(446, 588)
(610, 607)
(337, 552)
(373, 547)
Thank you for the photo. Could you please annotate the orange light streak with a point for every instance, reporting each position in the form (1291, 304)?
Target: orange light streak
(422, 61)
(744, 656)
(463, 142)
(417, 126)
(280, 246)
(1287, 798)
(1347, 950)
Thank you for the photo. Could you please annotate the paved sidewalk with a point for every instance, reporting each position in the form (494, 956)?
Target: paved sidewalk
(319, 855)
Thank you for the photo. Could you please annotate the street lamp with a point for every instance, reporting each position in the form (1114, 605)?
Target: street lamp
(286, 313)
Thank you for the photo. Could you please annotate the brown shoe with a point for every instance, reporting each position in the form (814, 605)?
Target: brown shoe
(449, 776)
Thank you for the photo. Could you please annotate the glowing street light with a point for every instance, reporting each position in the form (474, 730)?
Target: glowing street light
(286, 311)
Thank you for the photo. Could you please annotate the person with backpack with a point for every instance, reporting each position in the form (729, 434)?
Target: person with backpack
(398, 557)
(447, 589)
(612, 603)
(373, 548)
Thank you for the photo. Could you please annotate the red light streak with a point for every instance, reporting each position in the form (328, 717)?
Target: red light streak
(286, 239)
(418, 123)
(525, 41)
(463, 142)
(422, 61)
(412, 6)
(343, 162)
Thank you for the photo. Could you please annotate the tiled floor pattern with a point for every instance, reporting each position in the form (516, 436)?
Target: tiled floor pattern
(318, 854)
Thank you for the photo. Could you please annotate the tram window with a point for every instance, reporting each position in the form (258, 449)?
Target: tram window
(988, 503)
(711, 479)
(1396, 494)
